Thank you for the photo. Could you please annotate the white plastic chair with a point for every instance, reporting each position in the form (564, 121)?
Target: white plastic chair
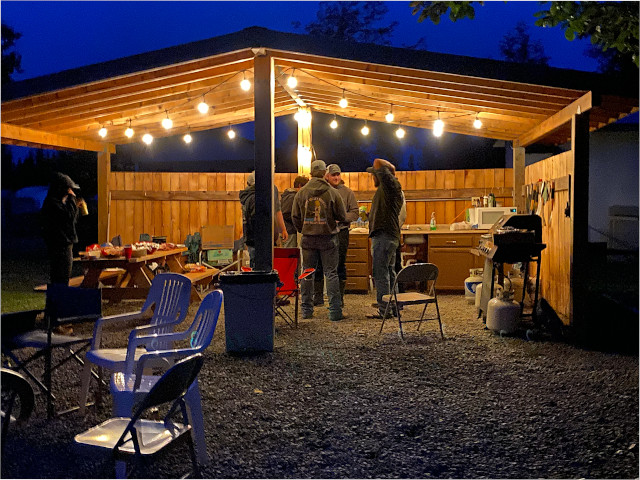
(417, 272)
(134, 437)
(169, 297)
(129, 386)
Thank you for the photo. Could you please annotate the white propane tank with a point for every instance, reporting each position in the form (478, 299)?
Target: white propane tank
(503, 313)
(471, 284)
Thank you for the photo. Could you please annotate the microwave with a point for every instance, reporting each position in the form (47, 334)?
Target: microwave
(485, 217)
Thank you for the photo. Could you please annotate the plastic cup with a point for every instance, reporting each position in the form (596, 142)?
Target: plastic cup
(128, 250)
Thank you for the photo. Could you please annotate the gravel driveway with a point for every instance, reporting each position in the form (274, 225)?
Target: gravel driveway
(338, 400)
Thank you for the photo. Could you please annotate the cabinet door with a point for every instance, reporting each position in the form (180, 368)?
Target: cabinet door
(453, 266)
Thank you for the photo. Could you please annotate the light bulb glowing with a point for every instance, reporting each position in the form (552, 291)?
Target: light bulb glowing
(167, 123)
(334, 124)
(231, 134)
(343, 103)
(477, 123)
(303, 117)
(438, 128)
(203, 107)
(147, 138)
(102, 132)
(187, 138)
(292, 82)
(365, 130)
(129, 132)
(389, 117)
(400, 132)
(245, 84)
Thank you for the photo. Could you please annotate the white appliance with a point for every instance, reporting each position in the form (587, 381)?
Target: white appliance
(485, 217)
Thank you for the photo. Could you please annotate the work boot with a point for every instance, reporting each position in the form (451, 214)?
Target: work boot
(318, 293)
(343, 285)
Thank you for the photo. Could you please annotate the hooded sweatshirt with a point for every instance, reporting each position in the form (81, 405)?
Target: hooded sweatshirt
(317, 209)
(58, 218)
(287, 204)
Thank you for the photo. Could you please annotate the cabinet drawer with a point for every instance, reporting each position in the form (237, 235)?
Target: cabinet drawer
(358, 283)
(357, 255)
(358, 241)
(459, 240)
(357, 270)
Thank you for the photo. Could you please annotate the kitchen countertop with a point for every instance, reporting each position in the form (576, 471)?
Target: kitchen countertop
(422, 229)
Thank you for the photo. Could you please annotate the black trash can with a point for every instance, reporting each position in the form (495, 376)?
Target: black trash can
(249, 310)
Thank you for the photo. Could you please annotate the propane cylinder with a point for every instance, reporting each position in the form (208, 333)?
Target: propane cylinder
(478, 296)
(503, 313)
(471, 283)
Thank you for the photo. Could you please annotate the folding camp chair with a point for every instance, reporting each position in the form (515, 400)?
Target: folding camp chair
(287, 262)
(417, 272)
(135, 437)
(64, 305)
(17, 400)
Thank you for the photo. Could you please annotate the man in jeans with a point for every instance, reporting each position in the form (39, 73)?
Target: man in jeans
(317, 209)
(384, 229)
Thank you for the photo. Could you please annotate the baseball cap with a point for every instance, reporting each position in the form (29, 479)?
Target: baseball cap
(251, 179)
(318, 165)
(65, 181)
(370, 170)
(333, 168)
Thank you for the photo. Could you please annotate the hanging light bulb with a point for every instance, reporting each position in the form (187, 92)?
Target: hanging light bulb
(102, 132)
(438, 126)
(303, 117)
(365, 129)
(231, 134)
(343, 101)
(187, 137)
(129, 131)
(477, 123)
(389, 116)
(292, 81)
(400, 132)
(203, 107)
(245, 84)
(334, 122)
(147, 138)
(167, 123)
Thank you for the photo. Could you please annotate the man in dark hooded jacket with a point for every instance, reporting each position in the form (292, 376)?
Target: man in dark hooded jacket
(59, 215)
(317, 209)
(287, 204)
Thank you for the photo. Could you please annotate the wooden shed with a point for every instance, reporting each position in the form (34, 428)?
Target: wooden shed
(521, 104)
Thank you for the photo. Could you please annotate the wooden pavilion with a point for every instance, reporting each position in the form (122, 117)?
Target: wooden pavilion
(517, 103)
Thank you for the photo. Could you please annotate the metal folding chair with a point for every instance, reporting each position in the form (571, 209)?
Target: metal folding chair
(17, 400)
(417, 272)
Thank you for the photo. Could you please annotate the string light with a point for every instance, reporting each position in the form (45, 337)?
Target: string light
(245, 84)
(147, 138)
(102, 132)
(129, 131)
(303, 117)
(438, 126)
(203, 107)
(400, 132)
(187, 137)
(334, 122)
(343, 101)
(167, 123)
(389, 116)
(365, 129)
(477, 123)
(231, 134)
(292, 81)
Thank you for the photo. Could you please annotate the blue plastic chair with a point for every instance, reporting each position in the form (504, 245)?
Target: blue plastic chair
(169, 295)
(130, 385)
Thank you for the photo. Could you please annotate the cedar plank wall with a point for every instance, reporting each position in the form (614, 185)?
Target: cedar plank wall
(556, 258)
(177, 218)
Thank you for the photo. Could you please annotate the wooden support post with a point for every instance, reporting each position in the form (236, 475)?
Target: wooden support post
(264, 87)
(304, 142)
(580, 218)
(518, 178)
(104, 172)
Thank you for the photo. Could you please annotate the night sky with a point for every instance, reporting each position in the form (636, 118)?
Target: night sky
(61, 35)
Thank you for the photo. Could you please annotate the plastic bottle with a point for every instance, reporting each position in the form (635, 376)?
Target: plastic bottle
(432, 224)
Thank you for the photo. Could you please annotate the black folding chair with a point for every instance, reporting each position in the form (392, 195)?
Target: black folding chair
(64, 305)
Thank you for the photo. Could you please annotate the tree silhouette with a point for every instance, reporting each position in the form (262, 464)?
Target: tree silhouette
(11, 59)
(517, 46)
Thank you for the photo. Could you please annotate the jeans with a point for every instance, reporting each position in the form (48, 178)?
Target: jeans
(343, 246)
(252, 257)
(383, 253)
(291, 241)
(329, 261)
(60, 263)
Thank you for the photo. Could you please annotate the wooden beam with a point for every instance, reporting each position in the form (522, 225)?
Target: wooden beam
(518, 178)
(294, 96)
(104, 173)
(442, 193)
(175, 195)
(556, 121)
(44, 139)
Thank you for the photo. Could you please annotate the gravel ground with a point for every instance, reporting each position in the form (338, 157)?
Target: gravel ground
(338, 400)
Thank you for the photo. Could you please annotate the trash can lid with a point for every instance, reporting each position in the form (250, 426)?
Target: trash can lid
(248, 278)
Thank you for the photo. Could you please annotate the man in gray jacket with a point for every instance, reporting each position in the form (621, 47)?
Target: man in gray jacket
(333, 176)
(317, 210)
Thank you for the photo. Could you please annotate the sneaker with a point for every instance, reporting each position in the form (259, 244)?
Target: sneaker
(337, 319)
(318, 303)
(307, 316)
(378, 315)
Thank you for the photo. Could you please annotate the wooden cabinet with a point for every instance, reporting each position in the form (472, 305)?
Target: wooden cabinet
(451, 254)
(358, 263)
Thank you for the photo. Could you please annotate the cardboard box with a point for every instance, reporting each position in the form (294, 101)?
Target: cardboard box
(215, 237)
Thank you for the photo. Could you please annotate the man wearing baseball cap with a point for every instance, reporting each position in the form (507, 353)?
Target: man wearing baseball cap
(317, 210)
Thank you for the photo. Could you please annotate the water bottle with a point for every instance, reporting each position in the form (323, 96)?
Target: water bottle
(432, 224)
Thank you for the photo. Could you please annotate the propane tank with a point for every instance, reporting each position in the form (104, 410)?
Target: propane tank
(478, 296)
(471, 284)
(503, 313)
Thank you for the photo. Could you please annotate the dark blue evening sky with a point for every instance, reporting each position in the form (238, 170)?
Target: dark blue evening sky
(62, 35)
